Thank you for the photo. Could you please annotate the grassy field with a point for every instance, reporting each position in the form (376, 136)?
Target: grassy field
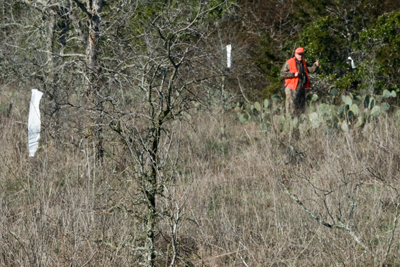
(230, 201)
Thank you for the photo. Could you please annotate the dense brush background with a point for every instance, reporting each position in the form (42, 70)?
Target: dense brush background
(229, 168)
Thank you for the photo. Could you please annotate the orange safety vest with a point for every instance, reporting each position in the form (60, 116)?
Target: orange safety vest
(292, 82)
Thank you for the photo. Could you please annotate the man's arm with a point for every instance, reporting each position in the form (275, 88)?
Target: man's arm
(285, 73)
(312, 68)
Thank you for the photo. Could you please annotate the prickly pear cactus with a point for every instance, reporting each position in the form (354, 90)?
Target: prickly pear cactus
(353, 112)
(266, 104)
(347, 100)
(385, 106)
(376, 110)
(314, 120)
(354, 109)
(344, 126)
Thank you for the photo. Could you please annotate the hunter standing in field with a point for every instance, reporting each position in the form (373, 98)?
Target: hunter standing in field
(295, 71)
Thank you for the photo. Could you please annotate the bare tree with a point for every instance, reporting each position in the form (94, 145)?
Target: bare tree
(138, 83)
(165, 60)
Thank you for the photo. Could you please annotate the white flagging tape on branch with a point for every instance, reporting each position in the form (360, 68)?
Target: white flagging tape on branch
(353, 66)
(228, 55)
(34, 122)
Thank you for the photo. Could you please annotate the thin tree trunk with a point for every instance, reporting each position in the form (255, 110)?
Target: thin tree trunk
(94, 8)
(92, 67)
(151, 192)
(50, 44)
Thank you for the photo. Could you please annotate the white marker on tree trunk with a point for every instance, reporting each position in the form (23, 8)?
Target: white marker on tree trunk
(34, 122)
(353, 66)
(228, 55)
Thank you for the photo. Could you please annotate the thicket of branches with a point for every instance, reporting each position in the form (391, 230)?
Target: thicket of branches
(138, 132)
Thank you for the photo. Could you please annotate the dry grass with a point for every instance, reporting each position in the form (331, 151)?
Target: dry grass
(243, 215)
(64, 207)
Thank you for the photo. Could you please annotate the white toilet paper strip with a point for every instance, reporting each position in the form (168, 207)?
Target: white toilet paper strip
(34, 122)
(228, 55)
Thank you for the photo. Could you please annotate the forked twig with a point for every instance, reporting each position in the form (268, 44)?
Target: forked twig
(340, 224)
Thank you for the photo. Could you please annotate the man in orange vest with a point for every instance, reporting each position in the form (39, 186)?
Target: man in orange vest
(295, 71)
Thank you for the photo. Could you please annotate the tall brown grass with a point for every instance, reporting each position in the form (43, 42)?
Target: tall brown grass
(64, 207)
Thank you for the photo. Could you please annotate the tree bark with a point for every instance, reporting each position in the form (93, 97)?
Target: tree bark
(50, 44)
(92, 66)
(94, 9)
(151, 192)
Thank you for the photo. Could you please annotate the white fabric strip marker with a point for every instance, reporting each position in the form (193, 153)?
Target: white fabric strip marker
(228, 55)
(353, 66)
(34, 122)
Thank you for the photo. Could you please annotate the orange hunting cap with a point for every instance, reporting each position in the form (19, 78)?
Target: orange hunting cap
(299, 50)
